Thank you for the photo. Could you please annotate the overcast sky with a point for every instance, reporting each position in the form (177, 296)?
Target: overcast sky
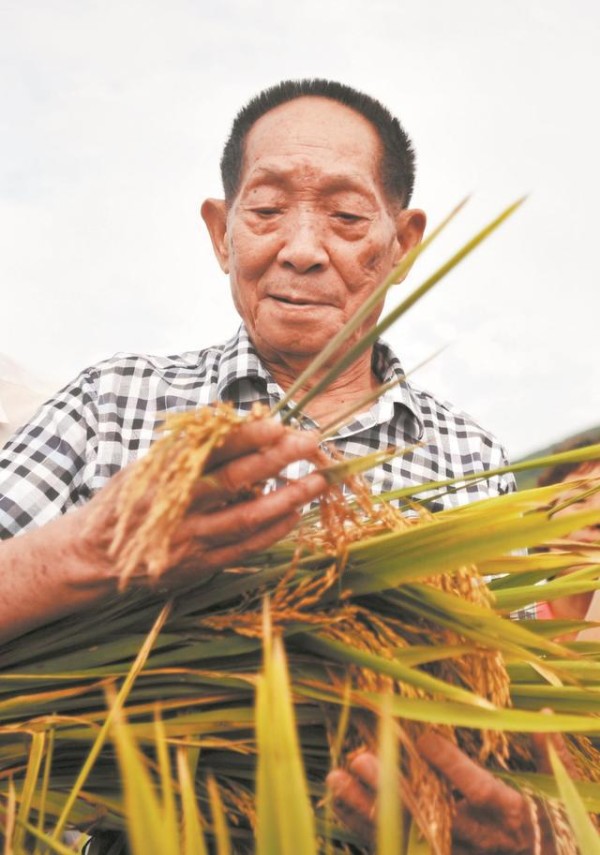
(112, 117)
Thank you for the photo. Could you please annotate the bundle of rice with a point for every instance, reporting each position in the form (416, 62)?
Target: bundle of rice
(370, 603)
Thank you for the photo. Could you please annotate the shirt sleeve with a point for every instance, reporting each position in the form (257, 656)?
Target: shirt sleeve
(506, 483)
(44, 467)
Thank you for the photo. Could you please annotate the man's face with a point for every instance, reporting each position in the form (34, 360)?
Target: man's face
(311, 233)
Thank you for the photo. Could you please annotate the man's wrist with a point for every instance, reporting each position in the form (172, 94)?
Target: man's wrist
(77, 564)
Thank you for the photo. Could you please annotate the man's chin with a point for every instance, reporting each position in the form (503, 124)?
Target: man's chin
(300, 332)
(273, 347)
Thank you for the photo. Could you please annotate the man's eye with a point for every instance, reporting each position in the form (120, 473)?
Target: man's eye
(266, 212)
(347, 217)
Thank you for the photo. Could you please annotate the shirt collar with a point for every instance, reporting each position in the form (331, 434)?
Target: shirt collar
(240, 362)
(387, 367)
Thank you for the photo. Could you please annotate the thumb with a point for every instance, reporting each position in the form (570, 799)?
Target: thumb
(541, 753)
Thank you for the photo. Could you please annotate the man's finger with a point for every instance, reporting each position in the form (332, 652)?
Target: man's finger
(236, 523)
(477, 785)
(191, 566)
(540, 742)
(541, 754)
(353, 804)
(228, 480)
(365, 767)
(246, 437)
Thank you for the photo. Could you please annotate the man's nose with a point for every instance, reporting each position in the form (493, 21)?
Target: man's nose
(303, 248)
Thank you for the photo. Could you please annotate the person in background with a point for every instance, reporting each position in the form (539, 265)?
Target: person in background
(584, 605)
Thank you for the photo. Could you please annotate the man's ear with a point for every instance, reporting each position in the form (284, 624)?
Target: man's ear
(214, 214)
(410, 226)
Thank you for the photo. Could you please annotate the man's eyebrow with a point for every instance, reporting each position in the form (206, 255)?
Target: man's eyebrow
(332, 183)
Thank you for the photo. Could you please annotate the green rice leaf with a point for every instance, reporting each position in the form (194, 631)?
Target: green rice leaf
(509, 600)
(461, 715)
(393, 668)
(577, 455)
(364, 311)
(447, 543)
(375, 332)
(337, 473)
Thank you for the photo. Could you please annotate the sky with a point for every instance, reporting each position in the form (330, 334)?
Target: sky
(112, 121)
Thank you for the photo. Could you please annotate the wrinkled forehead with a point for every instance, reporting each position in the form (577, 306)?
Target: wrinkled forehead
(311, 133)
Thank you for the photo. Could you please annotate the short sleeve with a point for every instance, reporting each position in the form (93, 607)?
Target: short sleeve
(45, 466)
(504, 483)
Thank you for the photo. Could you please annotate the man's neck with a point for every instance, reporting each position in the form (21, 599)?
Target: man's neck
(354, 384)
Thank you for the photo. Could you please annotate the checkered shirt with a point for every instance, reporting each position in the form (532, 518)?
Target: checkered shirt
(109, 416)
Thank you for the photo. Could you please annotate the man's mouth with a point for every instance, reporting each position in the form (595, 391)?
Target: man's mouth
(291, 300)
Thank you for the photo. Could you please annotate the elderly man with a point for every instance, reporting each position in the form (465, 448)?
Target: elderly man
(317, 180)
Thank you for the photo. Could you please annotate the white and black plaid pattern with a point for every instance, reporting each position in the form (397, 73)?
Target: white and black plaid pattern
(109, 415)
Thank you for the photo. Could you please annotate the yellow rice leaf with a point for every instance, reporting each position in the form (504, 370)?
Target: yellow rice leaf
(193, 842)
(417, 844)
(137, 666)
(546, 785)
(45, 785)
(344, 720)
(167, 787)
(584, 831)
(49, 843)
(389, 803)
(218, 817)
(145, 817)
(36, 753)
(267, 829)
(10, 820)
(285, 818)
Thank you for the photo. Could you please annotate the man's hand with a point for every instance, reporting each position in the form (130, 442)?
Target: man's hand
(220, 529)
(491, 817)
(66, 564)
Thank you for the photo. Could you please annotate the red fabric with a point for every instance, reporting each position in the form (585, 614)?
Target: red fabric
(544, 611)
